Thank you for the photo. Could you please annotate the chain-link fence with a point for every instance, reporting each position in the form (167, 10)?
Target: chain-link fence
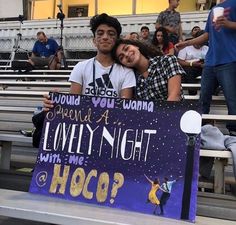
(74, 46)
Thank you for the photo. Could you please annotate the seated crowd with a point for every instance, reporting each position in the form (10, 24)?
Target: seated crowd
(144, 67)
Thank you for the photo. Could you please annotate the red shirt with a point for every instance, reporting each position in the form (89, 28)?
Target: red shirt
(170, 46)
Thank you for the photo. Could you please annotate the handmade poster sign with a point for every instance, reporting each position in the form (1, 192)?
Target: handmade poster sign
(124, 154)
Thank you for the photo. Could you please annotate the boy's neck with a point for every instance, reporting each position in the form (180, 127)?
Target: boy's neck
(104, 59)
(171, 8)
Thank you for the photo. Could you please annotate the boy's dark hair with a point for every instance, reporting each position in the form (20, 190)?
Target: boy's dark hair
(134, 33)
(103, 18)
(195, 27)
(199, 33)
(144, 28)
(147, 51)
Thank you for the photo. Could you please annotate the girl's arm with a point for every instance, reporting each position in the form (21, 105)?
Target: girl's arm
(174, 88)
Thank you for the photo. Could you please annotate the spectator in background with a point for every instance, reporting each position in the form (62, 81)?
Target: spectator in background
(191, 58)
(195, 30)
(132, 36)
(158, 76)
(220, 61)
(46, 52)
(171, 21)
(161, 41)
(145, 35)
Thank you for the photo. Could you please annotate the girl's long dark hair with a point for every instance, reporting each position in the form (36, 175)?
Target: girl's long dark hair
(165, 38)
(148, 51)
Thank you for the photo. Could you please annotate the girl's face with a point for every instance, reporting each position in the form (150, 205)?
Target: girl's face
(159, 36)
(128, 55)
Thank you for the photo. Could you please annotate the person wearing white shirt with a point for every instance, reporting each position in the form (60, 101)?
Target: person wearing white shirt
(191, 58)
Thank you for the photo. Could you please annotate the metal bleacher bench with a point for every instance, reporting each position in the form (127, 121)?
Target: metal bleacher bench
(53, 84)
(36, 71)
(6, 141)
(221, 157)
(23, 205)
(11, 77)
(12, 120)
(20, 93)
(221, 160)
(34, 207)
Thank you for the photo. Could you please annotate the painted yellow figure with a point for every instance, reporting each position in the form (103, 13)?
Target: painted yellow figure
(152, 197)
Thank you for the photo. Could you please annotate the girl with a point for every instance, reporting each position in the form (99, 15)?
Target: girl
(158, 77)
(161, 41)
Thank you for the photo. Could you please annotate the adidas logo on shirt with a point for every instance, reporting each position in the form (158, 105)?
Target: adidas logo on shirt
(103, 87)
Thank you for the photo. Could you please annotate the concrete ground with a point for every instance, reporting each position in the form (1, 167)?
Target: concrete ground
(12, 221)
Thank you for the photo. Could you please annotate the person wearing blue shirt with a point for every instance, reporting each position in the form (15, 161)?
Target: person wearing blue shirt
(45, 52)
(220, 61)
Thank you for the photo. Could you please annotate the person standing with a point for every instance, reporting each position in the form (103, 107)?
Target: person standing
(220, 61)
(170, 19)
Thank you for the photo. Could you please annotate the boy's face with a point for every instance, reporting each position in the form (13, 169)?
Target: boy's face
(195, 30)
(144, 33)
(105, 38)
(174, 3)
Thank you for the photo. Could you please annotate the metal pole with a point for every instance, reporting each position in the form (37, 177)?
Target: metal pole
(134, 4)
(54, 9)
(188, 177)
(95, 7)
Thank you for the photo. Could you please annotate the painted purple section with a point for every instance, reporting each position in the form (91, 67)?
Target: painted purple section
(113, 136)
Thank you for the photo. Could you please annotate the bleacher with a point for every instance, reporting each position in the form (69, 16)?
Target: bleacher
(21, 93)
(77, 37)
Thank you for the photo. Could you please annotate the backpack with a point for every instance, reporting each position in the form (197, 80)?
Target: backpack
(38, 121)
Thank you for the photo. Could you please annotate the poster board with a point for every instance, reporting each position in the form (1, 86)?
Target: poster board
(114, 152)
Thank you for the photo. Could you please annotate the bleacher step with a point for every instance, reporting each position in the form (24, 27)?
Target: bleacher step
(216, 205)
(51, 210)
